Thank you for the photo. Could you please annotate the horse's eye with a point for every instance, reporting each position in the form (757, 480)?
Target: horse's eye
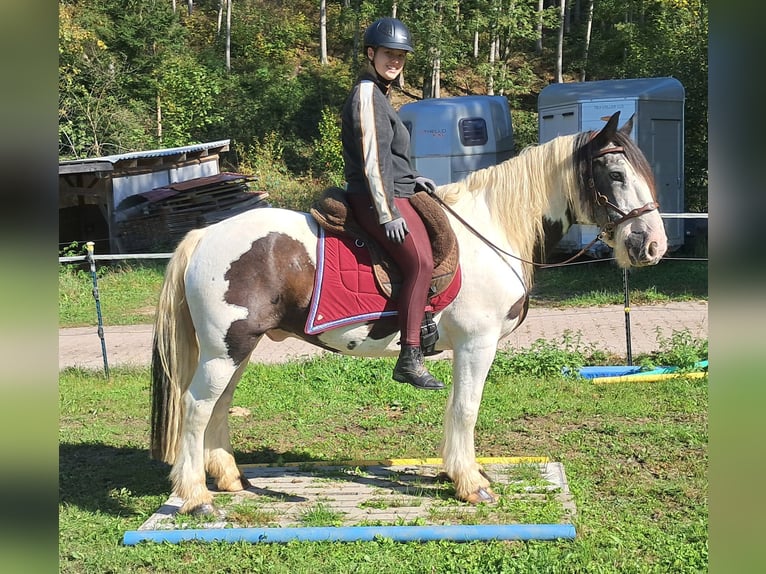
(617, 176)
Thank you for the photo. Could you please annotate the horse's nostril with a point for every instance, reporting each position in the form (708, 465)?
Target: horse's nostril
(652, 249)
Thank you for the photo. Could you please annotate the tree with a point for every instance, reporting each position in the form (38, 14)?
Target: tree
(586, 42)
(323, 32)
(560, 43)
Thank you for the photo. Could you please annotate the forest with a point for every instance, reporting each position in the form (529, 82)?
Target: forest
(272, 75)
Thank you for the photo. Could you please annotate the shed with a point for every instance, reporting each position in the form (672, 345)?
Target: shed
(658, 129)
(92, 190)
(452, 137)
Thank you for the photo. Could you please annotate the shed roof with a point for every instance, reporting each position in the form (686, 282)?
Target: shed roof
(108, 162)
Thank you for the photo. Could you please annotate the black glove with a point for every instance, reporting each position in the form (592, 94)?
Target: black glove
(396, 230)
(429, 185)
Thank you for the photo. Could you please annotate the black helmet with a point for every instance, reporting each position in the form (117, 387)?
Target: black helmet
(389, 33)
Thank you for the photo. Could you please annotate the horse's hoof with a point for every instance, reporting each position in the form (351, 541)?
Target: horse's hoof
(204, 511)
(238, 484)
(482, 495)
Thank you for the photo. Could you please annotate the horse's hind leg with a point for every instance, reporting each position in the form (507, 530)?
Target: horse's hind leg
(219, 457)
(211, 380)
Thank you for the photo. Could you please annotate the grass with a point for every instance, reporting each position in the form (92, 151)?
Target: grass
(635, 454)
(635, 457)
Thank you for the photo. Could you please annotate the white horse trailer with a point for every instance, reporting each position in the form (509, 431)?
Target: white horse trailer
(658, 129)
(452, 137)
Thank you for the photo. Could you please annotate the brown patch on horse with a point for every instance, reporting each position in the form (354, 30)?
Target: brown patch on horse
(273, 280)
(333, 213)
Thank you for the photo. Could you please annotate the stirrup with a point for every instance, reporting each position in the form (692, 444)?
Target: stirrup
(429, 335)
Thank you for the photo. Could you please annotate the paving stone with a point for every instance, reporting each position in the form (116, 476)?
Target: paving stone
(373, 494)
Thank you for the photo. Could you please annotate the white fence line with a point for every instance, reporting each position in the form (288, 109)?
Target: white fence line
(684, 215)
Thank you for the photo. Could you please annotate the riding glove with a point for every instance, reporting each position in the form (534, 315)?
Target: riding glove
(429, 185)
(396, 230)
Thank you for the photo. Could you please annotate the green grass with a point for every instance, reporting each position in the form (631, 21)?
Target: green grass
(635, 457)
(602, 283)
(128, 293)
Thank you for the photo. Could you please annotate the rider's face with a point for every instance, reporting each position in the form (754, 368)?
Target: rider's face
(388, 62)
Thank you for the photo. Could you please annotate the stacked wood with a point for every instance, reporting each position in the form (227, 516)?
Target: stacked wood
(156, 220)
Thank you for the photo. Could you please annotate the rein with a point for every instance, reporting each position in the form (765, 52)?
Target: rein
(607, 230)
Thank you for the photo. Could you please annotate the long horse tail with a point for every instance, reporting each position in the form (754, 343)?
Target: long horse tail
(175, 353)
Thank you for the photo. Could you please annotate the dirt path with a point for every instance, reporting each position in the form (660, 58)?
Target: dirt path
(601, 327)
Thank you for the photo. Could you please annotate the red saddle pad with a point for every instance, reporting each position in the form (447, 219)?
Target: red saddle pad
(345, 290)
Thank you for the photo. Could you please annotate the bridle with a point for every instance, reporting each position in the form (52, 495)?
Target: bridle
(607, 229)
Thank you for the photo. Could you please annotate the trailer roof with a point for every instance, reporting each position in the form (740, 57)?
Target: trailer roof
(667, 89)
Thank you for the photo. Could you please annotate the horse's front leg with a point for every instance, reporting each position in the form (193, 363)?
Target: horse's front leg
(471, 363)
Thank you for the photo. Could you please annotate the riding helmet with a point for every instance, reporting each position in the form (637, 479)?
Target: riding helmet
(388, 33)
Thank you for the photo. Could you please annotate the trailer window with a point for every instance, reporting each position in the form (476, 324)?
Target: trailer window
(473, 131)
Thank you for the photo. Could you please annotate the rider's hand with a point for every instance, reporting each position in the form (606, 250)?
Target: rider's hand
(396, 230)
(427, 184)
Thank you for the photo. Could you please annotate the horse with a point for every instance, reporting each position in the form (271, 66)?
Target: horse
(228, 285)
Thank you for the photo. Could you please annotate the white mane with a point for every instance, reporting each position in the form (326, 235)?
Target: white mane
(518, 192)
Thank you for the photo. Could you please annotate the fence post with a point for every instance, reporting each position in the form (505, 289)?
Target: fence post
(627, 316)
(89, 246)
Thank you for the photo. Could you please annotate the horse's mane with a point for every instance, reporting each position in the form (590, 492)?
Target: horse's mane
(518, 191)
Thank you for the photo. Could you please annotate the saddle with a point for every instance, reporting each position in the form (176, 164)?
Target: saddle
(333, 213)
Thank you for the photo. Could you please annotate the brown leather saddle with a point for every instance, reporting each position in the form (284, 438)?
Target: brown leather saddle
(334, 214)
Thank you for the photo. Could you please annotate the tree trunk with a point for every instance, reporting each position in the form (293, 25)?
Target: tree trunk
(491, 79)
(560, 44)
(476, 43)
(228, 35)
(539, 39)
(588, 28)
(190, 4)
(159, 119)
(436, 78)
(323, 32)
(220, 17)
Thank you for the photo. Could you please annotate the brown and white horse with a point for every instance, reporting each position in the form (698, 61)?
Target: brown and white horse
(228, 285)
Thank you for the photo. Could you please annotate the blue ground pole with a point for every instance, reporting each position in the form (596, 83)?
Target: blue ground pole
(460, 533)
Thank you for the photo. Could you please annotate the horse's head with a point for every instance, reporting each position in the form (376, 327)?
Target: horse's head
(619, 194)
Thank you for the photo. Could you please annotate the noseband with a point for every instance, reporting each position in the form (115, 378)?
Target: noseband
(607, 230)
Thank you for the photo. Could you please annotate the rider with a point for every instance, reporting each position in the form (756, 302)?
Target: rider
(381, 179)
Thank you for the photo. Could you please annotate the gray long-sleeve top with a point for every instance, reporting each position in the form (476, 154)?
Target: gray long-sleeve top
(376, 147)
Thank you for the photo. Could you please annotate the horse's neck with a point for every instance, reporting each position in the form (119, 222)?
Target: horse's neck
(538, 190)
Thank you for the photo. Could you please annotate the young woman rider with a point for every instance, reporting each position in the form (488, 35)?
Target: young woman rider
(381, 179)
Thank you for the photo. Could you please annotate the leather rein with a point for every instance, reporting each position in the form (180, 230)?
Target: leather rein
(607, 230)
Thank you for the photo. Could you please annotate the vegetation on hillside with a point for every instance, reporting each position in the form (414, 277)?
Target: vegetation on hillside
(142, 74)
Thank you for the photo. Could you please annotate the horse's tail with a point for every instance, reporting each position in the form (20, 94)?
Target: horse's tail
(175, 353)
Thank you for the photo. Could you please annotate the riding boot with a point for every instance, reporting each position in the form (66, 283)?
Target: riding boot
(410, 369)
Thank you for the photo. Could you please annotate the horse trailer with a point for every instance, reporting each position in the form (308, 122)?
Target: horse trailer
(658, 129)
(452, 137)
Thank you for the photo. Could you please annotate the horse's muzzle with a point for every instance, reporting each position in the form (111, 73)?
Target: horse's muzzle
(645, 248)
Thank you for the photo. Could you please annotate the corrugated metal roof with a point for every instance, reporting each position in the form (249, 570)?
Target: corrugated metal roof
(160, 193)
(148, 153)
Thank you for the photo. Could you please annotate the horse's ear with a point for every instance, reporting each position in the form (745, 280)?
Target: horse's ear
(606, 134)
(628, 127)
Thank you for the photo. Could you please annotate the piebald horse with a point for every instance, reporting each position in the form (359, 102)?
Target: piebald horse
(230, 284)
